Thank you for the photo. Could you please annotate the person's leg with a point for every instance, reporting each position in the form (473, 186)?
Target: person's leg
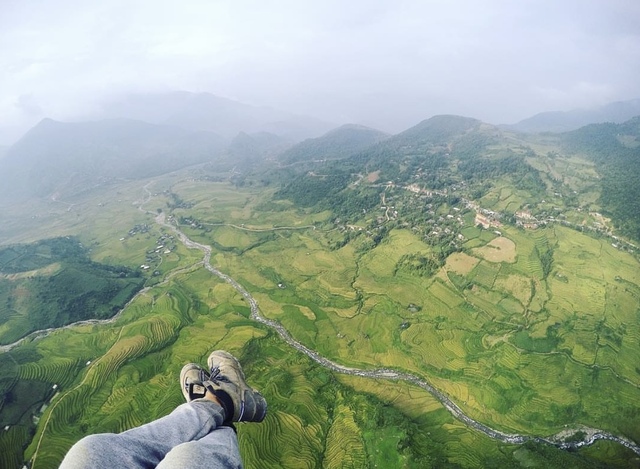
(217, 450)
(213, 399)
(146, 446)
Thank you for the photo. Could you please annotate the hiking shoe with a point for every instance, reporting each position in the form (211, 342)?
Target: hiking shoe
(191, 379)
(226, 382)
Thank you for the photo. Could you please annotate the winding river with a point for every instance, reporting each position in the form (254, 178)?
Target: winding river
(592, 434)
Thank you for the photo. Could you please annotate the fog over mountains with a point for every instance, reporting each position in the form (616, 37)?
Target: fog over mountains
(148, 134)
(338, 143)
(559, 121)
(56, 155)
(143, 135)
(207, 112)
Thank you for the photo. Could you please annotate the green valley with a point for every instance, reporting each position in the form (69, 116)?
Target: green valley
(52, 283)
(491, 266)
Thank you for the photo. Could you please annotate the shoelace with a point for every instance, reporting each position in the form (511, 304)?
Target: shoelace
(214, 374)
(207, 380)
(204, 377)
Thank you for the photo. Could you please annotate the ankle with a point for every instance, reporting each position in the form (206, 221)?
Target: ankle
(224, 401)
(211, 397)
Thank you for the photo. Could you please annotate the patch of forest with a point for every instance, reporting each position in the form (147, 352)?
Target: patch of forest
(73, 288)
(615, 148)
(465, 162)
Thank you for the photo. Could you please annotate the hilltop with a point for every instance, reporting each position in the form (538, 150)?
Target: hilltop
(249, 149)
(335, 144)
(456, 291)
(436, 153)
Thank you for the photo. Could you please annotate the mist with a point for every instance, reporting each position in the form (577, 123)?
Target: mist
(387, 65)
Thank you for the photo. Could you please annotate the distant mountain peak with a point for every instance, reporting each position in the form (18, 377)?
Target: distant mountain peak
(208, 112)
(338, 143)
(439, 128)
(71, 156)
(564, 121)
(353, 127)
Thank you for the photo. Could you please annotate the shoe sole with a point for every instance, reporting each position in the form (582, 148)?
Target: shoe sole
(252, 401)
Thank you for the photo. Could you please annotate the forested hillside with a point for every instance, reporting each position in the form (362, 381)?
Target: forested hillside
(449, 296)
(53, 282)
(336, 144)
(615, 148)
(439, 153)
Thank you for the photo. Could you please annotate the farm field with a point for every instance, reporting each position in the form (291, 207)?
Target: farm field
(519, 345)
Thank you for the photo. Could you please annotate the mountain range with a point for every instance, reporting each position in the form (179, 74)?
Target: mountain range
(56, 157)
(207, 112)
(563, 121)
(145, 135)
(462, 253)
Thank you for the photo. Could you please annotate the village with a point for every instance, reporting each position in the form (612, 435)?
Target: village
(441, 214)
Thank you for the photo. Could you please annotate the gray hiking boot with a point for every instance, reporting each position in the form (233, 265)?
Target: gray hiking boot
(226, 381)
(191, 378)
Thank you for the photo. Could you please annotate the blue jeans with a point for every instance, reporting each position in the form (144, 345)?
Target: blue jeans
(192, 436)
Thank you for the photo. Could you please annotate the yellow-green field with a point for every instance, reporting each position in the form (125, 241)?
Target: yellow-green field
(516, 351)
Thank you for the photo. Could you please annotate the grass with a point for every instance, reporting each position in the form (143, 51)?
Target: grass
(461, 263)
(486, 346)
(53, 283)
(500, 249)
(485, 274)
(518, 286)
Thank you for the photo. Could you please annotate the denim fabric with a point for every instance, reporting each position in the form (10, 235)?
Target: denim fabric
(190, 436)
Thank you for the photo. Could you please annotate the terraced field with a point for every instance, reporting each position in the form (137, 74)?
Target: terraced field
(513, 350)
(505, 304)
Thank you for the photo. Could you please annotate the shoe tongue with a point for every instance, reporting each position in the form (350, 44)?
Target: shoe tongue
(197, 390)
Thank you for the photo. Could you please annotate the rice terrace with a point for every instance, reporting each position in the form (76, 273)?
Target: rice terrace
(397, 308)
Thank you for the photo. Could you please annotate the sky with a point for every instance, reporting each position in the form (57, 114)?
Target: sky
(387, 63)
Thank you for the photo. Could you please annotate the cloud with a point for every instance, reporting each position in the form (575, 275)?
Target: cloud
(29, 105)
(386, 63)
(580, 95)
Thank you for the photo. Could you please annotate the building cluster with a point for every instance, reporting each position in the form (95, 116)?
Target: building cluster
(525, 219)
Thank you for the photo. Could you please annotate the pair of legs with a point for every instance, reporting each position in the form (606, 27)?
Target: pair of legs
(196, 434)
(191, 436)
